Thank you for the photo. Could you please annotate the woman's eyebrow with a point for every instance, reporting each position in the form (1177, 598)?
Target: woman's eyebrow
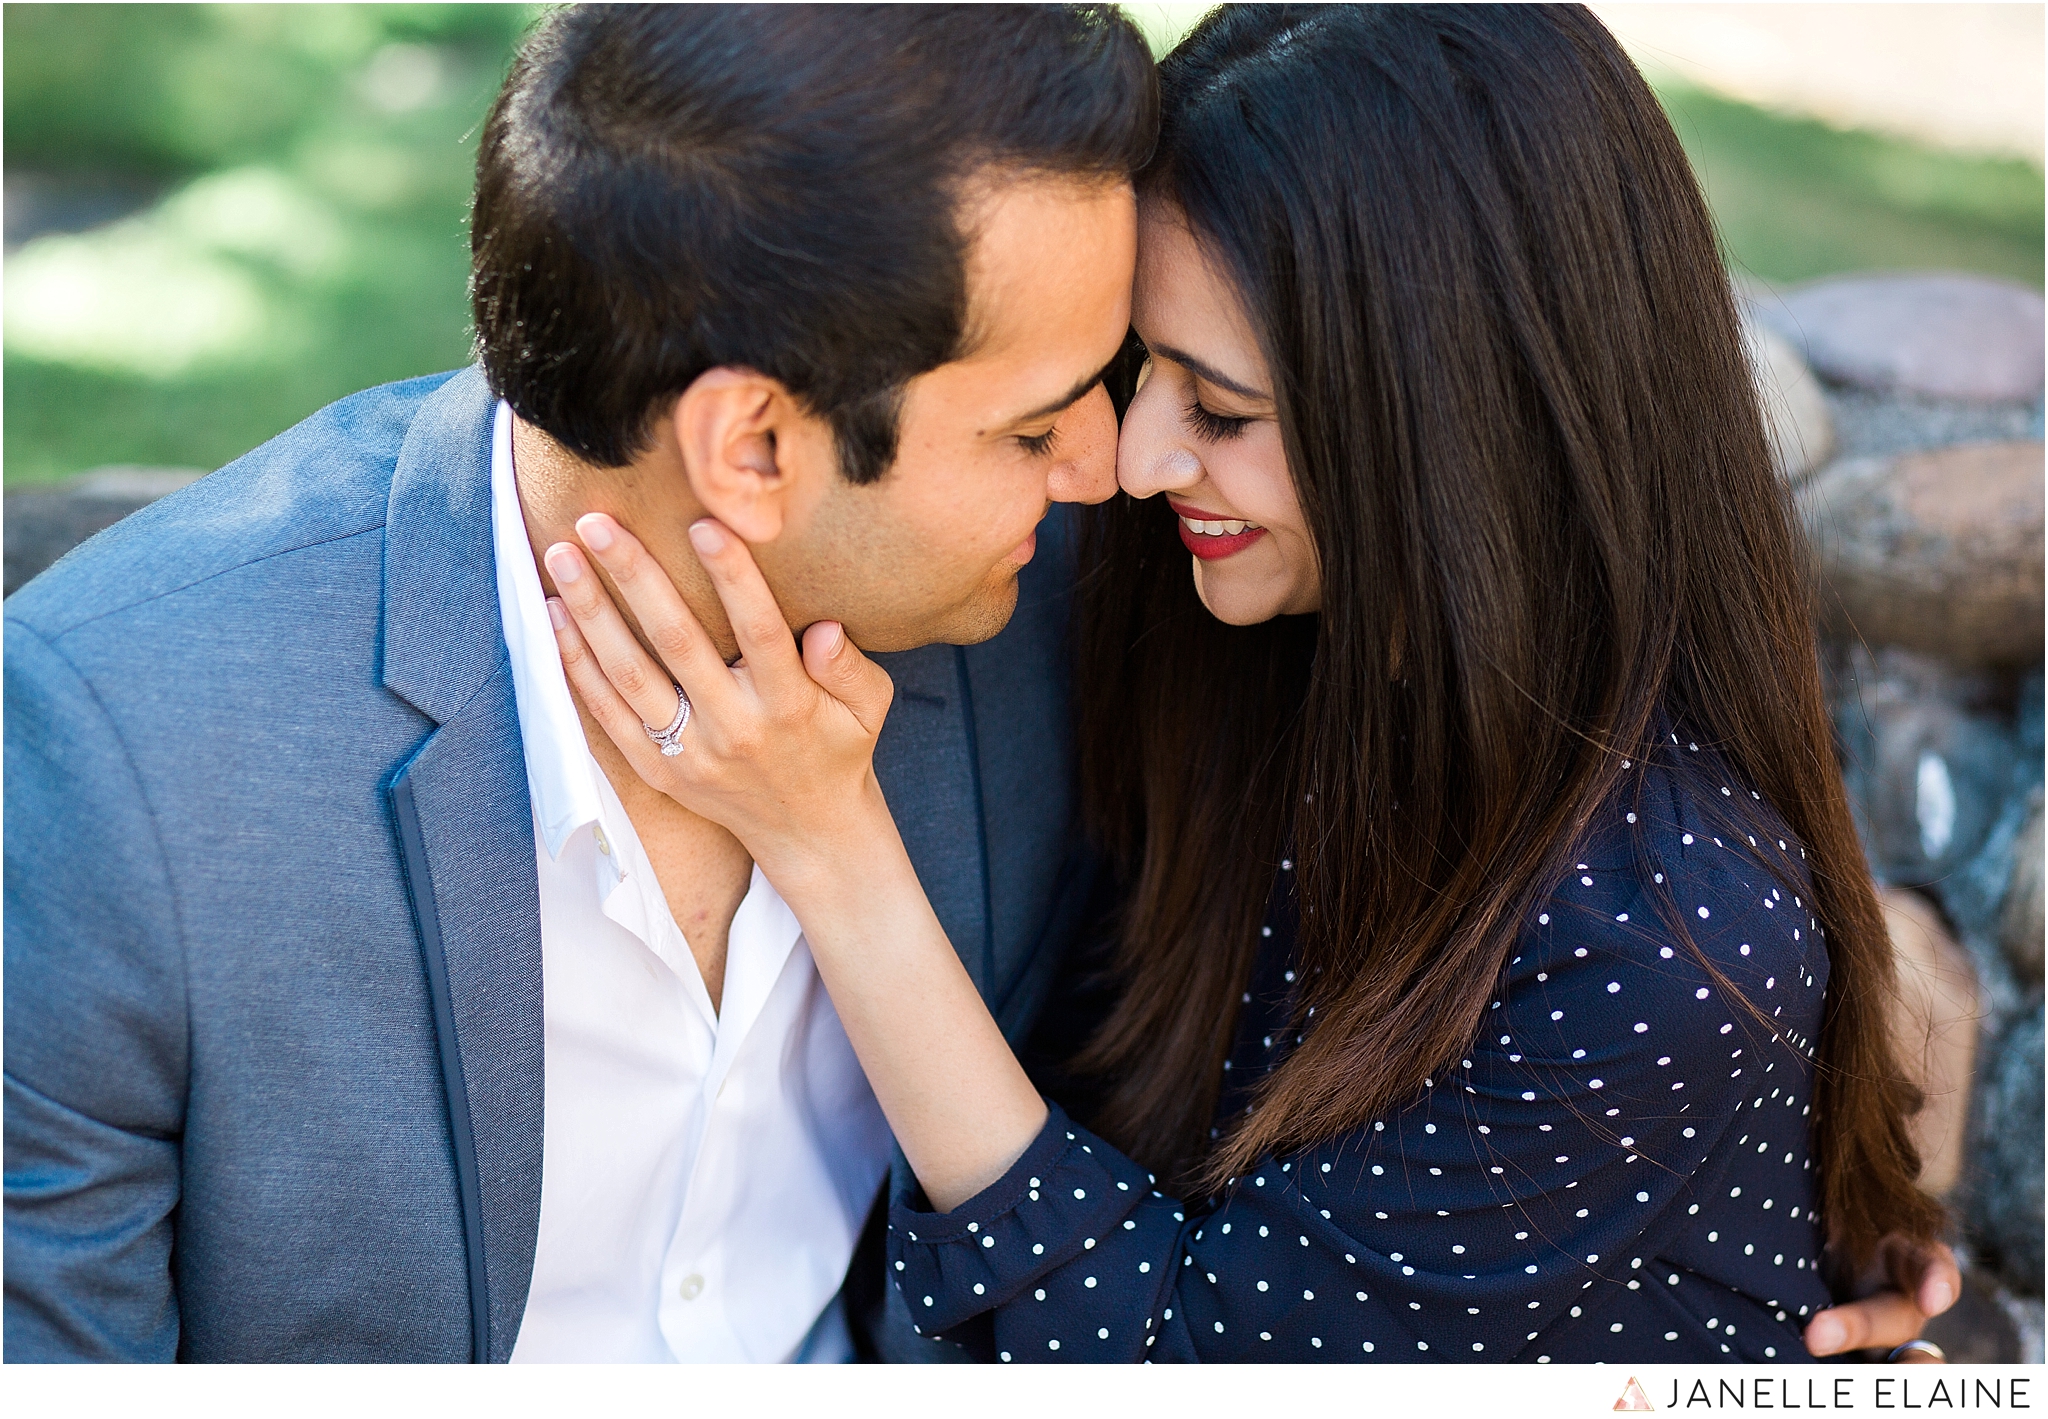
(1209, 373)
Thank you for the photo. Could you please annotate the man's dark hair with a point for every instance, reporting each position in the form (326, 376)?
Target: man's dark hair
(663, 190)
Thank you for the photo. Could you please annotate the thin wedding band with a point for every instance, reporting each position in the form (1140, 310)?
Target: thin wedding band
(671, 738)
(1921, 1347)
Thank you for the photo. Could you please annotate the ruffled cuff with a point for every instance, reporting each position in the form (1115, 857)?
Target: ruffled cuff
(1065, 1194)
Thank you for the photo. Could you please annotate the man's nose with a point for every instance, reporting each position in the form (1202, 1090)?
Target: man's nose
(1088, 474)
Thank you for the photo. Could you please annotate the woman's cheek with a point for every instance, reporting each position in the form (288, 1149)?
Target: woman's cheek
(1258, 484)
(1251, 471)
(1307, 593)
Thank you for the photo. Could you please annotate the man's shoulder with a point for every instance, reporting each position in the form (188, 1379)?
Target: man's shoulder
(319, 483)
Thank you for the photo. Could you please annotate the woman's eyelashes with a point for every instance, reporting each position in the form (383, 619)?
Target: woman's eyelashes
(1210, 425)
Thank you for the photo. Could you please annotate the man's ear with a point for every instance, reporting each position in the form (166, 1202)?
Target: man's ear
(749, 449)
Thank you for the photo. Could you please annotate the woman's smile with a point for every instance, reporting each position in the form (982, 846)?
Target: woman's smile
(1212, 536)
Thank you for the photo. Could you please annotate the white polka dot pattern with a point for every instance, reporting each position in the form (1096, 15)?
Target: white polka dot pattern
(1617, 1169)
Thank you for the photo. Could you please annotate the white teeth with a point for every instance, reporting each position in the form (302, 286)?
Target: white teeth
(1226, 528)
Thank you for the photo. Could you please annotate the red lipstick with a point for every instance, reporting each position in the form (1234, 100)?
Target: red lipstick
(1211, 546)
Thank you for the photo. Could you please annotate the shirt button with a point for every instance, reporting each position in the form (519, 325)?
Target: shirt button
(692, 1287)
(603, 846)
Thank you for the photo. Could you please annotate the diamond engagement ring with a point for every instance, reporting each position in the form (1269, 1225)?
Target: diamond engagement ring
(671, 738)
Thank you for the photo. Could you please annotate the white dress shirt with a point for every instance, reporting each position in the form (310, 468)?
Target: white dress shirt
(706, 1171)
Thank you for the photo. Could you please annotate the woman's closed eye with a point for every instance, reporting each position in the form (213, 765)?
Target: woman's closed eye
(1210, 425)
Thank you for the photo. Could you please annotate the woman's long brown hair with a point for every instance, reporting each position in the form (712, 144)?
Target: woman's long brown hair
(1519, 417)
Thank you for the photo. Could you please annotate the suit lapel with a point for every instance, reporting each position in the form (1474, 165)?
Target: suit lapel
(465, 829)
(925, 761)
(467, 832)
(1017, 704)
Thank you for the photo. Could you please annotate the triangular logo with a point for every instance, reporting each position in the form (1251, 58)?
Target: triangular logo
(1633, 1400)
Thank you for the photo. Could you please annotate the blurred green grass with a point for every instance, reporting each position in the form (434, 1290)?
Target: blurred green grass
(300, 176)
(313, 164)
(1796, 199)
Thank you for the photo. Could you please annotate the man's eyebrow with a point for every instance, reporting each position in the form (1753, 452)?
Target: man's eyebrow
(1215, 377)
(1071, 395)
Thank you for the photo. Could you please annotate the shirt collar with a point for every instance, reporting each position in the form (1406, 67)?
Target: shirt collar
(560, 774)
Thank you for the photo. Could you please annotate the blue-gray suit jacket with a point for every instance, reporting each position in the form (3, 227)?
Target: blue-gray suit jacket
(273, 957)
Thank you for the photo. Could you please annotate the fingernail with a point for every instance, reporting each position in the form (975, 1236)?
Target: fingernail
(1824, 1336)
(596, 532)
(835, 639)
(706, 538)
(1940, 1296)
(563, 564)
(556, 614)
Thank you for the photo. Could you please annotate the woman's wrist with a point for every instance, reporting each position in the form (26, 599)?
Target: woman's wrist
(854, 851)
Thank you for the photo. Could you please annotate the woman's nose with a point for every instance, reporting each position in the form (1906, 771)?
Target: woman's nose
(1149, 458)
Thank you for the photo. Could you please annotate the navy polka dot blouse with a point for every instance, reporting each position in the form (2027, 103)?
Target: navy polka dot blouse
(1616, 1170)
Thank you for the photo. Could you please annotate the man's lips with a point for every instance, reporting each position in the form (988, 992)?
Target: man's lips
(1024, 551)
(1211, 536)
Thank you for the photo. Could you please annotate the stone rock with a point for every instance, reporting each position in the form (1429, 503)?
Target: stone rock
(36, 201)
(1939, 552)
(1858, 669)
(1795, 411)
(2020, 929)
(2006, 1197)
(1935, 1025)
(1941, 334)
(43, 523)
(1874, 421)
(1927, 765)
(1973, 897)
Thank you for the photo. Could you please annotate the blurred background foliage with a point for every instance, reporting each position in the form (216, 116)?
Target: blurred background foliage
(220, 217)
(1795, 198)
